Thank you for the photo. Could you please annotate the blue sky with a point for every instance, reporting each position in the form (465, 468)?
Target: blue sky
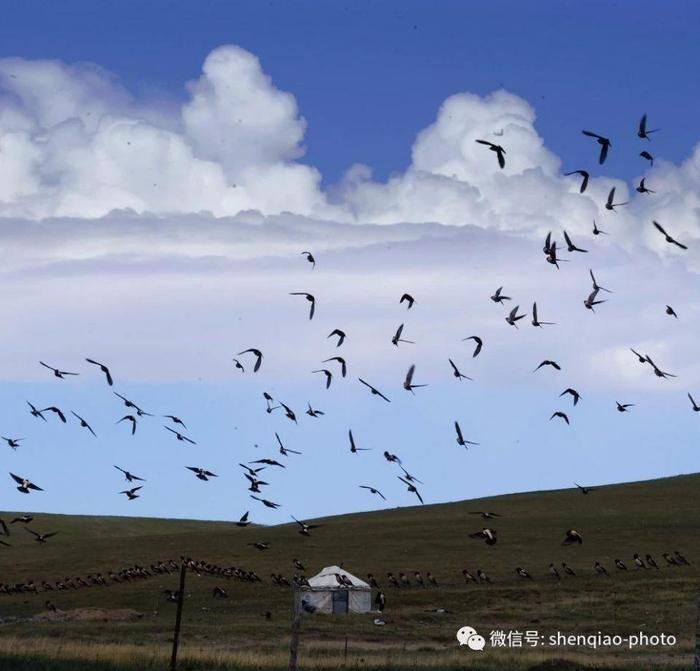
(153, 211)
(369, 75)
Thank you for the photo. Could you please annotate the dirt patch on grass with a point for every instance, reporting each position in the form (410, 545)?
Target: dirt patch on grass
(89, 615)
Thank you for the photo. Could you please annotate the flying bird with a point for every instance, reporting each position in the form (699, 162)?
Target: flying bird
(25, 485)
(35, 413)
(372, 490)
(202, 473)
(609, 204)
(479, 344)
(284, 451)
(341, 335)
(596, 286)
(513, 317)
(243, 520)
(574, 394)
(456, 373)
(584, 174)
(572, 536)
(641, 187)
(180, 436)
(500, 151)
(353, 448)
(396, 339)
(305, 528)
(310, 258)
(642, 131)
(104, 369)
(570, 246)
(604, 143)
(408, 380)
(129, 418)
(585, 490)
(535, 320)
(671, 312)
(668, 238)
(561, 415)
(487, 535)
(57, 372)
(258, 357)
(591, 301)
(12, 442)
(375, 392)
(327, 373)
(646, 155)
(622, 407)
(56, 411)
(408, 299)
(176, 420)
(310, 298)
(311, 412)
(460, 437)
(596, 230)
(83, 423)
(548, 362)
(131, 493)
(40, 538)
(266, 503)
(341, 361)
(498, 297)
(696, 407)
(130, 477)
(411, 488)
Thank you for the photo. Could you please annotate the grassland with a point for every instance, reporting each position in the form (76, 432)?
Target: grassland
(646, 517)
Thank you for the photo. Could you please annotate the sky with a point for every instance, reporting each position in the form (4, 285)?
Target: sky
(162, 168)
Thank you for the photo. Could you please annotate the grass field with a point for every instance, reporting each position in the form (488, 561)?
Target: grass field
(616, 521)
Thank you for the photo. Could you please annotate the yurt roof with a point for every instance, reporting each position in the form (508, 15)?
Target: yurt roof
(326, 578)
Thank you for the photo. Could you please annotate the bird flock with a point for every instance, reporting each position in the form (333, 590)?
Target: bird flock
(249, 360)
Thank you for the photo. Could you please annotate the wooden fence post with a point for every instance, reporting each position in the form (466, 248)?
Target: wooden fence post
(696, 665)
(178, 617)
(294, 642)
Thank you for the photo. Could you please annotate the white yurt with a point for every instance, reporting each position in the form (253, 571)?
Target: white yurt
(335, 591)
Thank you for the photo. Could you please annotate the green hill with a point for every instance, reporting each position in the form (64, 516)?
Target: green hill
(616, 521)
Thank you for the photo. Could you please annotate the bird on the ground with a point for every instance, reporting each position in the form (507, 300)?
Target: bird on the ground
(561, 415)
(572, 536)
(584, 182)
(460, 437)
(310, 258)
(456, 372)
(481, 576)
(609, 204)
(642, 131)
(585, 490)
(341, 335)
(310, 298)
(487, 535)
(202, 473)
(554, 571)
(479, 344)
(258, 357)
(130, 477)
(670, 561)
(681, 559)
(131, 493)
(571, 247)
(523, 573)
(132, 419)
(498, 297)
(604, 143)
(500, 151)
(260, 545)
(620, 565)
(638, 561)
(600, 569)
(35, 412)
(574, 394)
(375, 392)
(83, 423)
(513, 317)
(57, 372)
(104, 369)
(651, 562)
(411, 488)
(298, 565)
(373, 490)
(485, 514)
(668, 238)
(568, 570)
(641, 187)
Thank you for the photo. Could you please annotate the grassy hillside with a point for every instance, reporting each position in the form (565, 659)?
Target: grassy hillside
(616, 521)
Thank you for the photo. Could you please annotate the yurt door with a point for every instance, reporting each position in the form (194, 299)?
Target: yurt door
(340, 601)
